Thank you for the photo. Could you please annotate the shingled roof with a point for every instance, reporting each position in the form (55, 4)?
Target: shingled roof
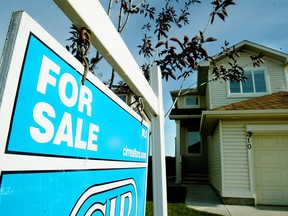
(277, 100)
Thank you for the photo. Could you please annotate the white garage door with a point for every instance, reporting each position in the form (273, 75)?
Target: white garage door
(271, 169)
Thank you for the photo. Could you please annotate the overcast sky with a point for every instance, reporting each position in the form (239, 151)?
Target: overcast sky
(261, 21)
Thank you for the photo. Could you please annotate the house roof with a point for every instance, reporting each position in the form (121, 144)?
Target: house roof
(257, 48)
(273, 107)
(241, 47)
(277, 100)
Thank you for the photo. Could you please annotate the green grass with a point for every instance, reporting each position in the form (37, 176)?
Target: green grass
(178, 209)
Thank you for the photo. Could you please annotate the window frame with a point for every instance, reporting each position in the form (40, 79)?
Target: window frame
(250, 94)
(192, 106)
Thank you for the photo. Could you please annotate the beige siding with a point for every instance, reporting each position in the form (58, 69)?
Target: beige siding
(235, 157)
(214, 160)
(207, 99)
(276, 80)
(181, 101)
(276, 76)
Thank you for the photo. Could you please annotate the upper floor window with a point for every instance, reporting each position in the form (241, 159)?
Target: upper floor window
(192, 101)
(255, 84)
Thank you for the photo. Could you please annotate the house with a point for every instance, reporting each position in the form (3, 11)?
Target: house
(236, 134)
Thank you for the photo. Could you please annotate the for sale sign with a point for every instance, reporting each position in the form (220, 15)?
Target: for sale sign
(66, 148)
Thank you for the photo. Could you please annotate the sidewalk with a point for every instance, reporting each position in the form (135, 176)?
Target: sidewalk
(203, 198)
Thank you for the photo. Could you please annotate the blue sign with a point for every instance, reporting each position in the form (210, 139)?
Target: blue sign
(56, 115)
(74, 193)
(56, 118)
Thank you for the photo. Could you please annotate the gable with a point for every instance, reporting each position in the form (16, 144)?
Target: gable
(218, 92)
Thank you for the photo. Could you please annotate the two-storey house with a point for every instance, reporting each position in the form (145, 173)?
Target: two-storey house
(236, 133)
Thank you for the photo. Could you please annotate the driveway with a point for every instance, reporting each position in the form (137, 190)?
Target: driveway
(203, 198)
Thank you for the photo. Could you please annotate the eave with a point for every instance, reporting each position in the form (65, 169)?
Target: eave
(178, 114)
(210, 119)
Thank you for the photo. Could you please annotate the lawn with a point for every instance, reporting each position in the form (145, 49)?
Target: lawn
(178, 209)
(176, 199)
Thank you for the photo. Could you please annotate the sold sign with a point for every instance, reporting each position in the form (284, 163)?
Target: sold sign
(66, 148)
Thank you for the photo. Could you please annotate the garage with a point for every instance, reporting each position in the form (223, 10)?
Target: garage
(270, 157)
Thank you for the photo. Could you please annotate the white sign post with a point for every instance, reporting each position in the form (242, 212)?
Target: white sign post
(158, 148)
(105, 38)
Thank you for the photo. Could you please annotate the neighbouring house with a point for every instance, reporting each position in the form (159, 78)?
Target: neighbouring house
(235, 134)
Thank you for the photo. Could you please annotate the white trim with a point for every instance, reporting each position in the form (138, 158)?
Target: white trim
(278, 128)
(250, 167)
(220, 113)
(210, 105)
(237, 194)
(192, 106)
(252, 94)
(10, 162)
(222, 157)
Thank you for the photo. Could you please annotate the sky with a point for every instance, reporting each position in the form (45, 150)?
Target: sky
(261, 21)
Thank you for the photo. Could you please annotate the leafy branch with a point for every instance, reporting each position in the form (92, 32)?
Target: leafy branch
(177, 58)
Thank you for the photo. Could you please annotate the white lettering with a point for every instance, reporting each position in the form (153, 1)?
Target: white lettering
(61, 135)
(84, 134)
(112, 207)
(85, 98)
(66, 79)
(92, 137)
(96, 207)
(78, 142)
(120, 204)
(44, 76)
(44, 134)
(125, 196)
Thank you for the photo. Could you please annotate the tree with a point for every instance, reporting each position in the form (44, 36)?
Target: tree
(177, 57)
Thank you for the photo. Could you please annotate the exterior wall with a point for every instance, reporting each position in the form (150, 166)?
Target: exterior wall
(236, 178)
(237, 159)
(208, 97)
(219, 89)
(181, 101)
(214, 160)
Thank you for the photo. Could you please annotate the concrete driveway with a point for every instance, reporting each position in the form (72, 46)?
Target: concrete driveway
(203, 198)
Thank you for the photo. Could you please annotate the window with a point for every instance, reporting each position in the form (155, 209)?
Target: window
(192, 101)
(193, 142)
(255, 84)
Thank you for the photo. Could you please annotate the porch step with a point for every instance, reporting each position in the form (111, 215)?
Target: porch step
(196, 178)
